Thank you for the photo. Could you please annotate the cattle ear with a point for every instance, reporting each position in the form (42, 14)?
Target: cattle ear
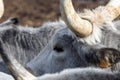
(103, 57)
(107, 57)
(15, 20)
(11, 21)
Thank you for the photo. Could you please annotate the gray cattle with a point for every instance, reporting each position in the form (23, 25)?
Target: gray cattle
(59, 47)
(63, 50)
(20, 73)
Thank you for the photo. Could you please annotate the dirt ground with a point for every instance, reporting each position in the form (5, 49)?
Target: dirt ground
(36, 12)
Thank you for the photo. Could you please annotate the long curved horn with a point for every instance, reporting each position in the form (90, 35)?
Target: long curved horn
(1, 8)
(16, 69)
(81, 27)
(113, 8)
(84, 27)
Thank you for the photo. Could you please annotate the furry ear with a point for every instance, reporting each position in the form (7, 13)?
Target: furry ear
(107, 57)
(10, 21)
(104, 58)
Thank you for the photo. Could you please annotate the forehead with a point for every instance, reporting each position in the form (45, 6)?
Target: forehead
(63, 37)
(61, 33)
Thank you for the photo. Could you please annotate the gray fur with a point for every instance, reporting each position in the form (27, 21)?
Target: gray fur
(76, 74)
(28, 42)
(82, 74)
(4, 76)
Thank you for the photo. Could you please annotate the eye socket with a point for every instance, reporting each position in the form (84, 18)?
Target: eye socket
(58, 48)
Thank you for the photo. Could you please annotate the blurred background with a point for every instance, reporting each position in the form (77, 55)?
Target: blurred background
(36, 12)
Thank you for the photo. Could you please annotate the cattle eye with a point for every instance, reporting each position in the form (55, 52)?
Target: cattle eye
(58, 48)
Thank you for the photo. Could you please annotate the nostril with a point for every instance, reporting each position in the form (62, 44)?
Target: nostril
(58, 48)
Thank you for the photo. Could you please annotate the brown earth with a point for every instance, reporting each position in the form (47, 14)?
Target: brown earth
(36, 12)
